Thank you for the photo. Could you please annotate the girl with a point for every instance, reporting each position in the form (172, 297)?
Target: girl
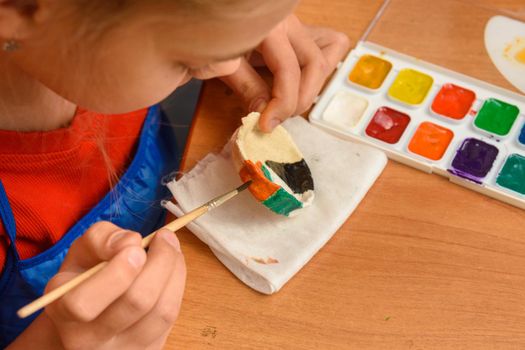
(77, 165)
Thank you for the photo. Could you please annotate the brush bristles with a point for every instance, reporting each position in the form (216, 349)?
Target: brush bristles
(244, 186)
(227, 196)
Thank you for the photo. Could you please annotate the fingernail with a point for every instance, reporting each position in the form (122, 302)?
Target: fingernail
(258, 105)
(113, 241)
(274, 123)
(171, 239)
(136, 258)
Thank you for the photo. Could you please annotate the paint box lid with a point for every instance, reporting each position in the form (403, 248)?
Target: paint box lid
(417, 28)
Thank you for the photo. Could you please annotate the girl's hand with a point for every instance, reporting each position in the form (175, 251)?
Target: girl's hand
(300, 58)
(130, 304)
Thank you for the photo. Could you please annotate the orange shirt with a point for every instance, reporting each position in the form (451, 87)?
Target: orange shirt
(54, 178)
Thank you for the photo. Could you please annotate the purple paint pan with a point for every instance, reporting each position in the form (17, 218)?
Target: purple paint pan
(474, 159)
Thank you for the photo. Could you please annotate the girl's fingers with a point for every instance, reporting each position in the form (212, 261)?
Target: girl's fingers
(334, 45)
(281, 60)
(126, 291)
(314, 65)
(162, 317)
(160, 342)
(100, 242)
(300, 59)
(255, 59)
(144, 293)
(88, 300)
(249, 86)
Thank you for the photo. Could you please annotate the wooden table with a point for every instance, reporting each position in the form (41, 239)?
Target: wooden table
(421, 264)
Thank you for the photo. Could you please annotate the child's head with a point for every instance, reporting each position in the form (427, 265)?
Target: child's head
(119, 55)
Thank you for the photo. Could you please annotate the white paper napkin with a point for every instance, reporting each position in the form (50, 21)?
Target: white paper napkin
(262, 249)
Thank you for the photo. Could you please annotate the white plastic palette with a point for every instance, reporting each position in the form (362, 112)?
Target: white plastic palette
(483, 150)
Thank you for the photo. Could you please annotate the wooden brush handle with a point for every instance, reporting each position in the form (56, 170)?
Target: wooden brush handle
(176, 224)
(55, 294)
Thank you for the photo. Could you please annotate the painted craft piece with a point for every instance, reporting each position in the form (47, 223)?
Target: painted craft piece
(282, 181)
(430, 118)
(505, 44)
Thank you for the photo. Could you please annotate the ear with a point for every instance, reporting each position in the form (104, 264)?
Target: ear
(19, 17)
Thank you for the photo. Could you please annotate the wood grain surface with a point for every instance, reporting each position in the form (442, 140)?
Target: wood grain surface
(421, 264)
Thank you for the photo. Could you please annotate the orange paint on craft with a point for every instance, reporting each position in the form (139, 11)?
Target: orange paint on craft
(453, 101)
(261, 188)
(431, 141)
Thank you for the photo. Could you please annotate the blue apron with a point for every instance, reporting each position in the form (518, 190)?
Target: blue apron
(133, 204)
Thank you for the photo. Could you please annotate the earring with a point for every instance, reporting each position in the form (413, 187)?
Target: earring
(10, 45)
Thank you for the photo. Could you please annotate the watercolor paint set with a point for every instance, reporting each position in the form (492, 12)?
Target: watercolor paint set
(430, 118)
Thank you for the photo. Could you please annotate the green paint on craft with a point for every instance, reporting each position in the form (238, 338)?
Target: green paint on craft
(497, 117)
(512, 175)
(281, 202)
(266, 173)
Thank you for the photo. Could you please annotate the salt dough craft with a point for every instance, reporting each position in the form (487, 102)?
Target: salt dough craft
(282, 181)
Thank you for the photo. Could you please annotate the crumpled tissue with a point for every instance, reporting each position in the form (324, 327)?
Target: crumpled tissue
(263, 249)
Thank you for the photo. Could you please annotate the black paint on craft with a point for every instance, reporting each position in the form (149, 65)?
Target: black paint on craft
(296, 175)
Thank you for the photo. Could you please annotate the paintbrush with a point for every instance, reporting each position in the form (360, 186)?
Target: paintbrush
(176, 224)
